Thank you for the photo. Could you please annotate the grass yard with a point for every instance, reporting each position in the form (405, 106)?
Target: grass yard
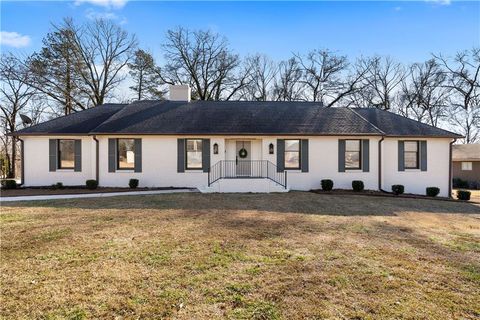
(276, 256)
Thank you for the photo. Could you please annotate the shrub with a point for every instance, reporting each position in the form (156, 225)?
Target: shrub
(459, 183)
(398, 189)
(463, 195)
(133, 183)
(357, 185)
(57, 185)
(9, 184)
(473, 185)
(433, 191)
(91, 184)
(327, 185)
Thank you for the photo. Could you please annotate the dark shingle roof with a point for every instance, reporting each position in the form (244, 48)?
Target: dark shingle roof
(76, 123)
(233, 117)
(465, 152)
(395, 125)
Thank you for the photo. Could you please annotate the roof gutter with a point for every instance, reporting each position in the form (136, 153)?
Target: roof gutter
(450, 168)
(97, 158)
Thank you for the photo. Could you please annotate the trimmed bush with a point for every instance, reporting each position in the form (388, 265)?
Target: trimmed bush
(398, 189)
(459, 183)
(433, 191)
(474, 185)
(357, 185)
(9, 184)
(58, 185)
(463, 195)
(91, 184)
(133, 183)
(327, 185)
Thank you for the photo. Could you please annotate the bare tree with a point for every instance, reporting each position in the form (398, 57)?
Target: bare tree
(381, 82)
(262, 72)
(463, 81)
(15, 96)
(463, 77)
(105, 49)
(424, 95)
(287, 85)
(79, 66)
(322, 74)
(145, 74)
(351, 85)
(204, 60)
(466, 122)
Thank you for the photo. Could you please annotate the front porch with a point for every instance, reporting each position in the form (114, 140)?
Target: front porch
(247, 166)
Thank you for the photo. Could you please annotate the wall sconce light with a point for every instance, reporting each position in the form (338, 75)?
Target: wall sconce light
(270, 148)
(215, 148)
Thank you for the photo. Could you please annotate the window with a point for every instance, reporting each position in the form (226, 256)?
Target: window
(126, 154)
(292, 154)
(194, 154)
(352, 154)
(411, 155)
(466, 166)
(66, 154)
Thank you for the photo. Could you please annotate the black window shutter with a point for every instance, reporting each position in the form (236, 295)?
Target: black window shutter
(180, 155)
(112, 154)
(423, 155)
(78, 156)
(138, 155)
(366, 155)
(401, 156)
(52, 154)
(205, 155)
(280, 155)
(304, 155)
(341, 155)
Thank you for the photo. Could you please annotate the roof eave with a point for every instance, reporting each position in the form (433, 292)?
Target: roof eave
(20, 134)
(231, 134)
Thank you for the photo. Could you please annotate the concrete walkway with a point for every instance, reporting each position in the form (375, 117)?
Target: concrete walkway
(93, 195)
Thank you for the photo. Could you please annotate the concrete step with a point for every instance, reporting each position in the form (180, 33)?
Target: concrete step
(254, 185)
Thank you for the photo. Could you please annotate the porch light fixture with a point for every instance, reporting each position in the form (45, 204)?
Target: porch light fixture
(215, 148)
(270, 148)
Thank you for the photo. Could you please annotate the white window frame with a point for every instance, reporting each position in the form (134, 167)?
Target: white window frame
(187, 167)
(467, 166)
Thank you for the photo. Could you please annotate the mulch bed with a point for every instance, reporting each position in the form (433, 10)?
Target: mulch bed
(39, 191)
(382, 194)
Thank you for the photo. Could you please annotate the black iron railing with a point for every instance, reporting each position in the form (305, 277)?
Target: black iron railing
(229, 169)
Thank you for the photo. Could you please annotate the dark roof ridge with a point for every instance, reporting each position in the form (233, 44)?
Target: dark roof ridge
(363, 118)
(89, 133)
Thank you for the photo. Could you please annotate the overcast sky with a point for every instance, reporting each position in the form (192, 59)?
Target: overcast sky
(407, 31)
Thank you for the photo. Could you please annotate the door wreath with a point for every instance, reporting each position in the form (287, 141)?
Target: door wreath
(243, 153)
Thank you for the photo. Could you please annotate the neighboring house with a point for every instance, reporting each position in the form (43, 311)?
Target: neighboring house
(466, 162)
(236, 146)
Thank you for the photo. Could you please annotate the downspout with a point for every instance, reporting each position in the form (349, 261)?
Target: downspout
(22, 162)
(450, 163)
(380, 164)
(97, 162)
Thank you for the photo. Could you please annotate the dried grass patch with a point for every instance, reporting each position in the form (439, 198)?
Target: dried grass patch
(285, 256)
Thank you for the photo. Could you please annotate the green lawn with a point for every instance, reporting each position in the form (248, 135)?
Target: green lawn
(278, 256)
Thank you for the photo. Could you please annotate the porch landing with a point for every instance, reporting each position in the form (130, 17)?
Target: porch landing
(243, 185)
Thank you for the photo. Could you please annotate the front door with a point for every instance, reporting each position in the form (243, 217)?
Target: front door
(243, 156)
